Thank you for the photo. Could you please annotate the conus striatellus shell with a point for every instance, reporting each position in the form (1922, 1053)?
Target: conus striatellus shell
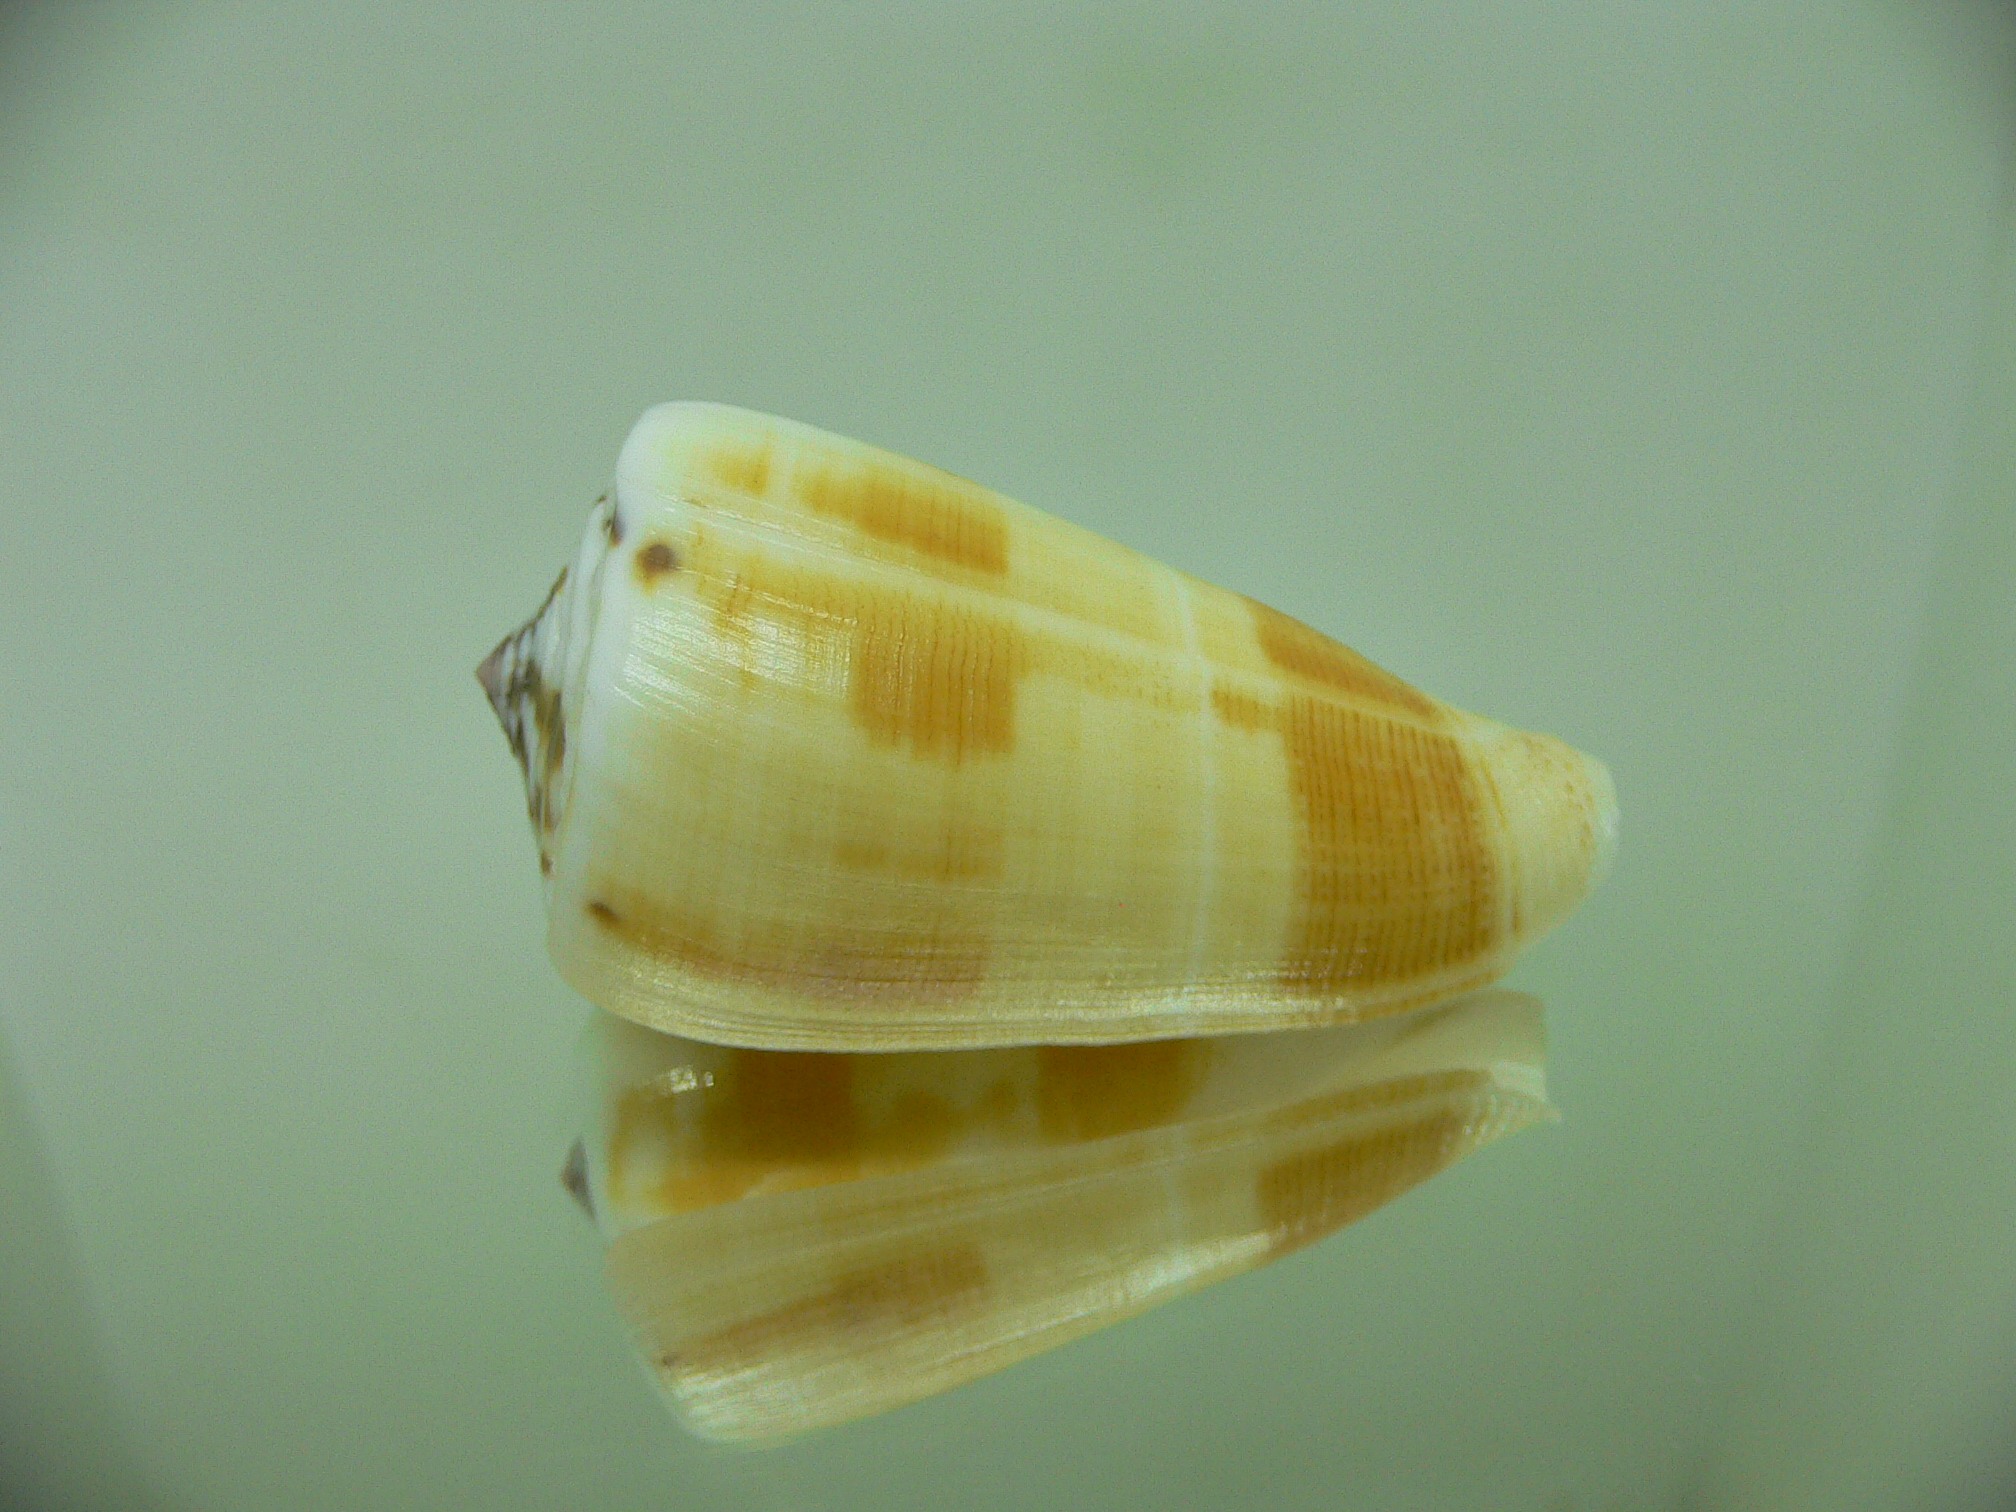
(796, 1240)
(827, 749)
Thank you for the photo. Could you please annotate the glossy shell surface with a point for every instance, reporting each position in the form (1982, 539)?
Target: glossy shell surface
(797, 1239)
(828, 749)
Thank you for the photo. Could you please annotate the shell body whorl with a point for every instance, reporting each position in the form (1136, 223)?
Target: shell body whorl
(827, 749)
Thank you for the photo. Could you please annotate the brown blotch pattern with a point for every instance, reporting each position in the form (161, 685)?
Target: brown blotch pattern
(898, 962)
(654, 561)
(1397, 879)
(1296, 649)
(943, 517)
(744, 468)
(773, 1117)
(777, 1117)
(781, 1119)
(1097, 1091)
(930, 673)
(968, 847)
(1241, 709)
(936, 678)
(783, 1107)
(871, 1300)
(1318, 1191)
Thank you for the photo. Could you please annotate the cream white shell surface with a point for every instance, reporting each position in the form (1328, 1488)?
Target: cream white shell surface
(829, 749)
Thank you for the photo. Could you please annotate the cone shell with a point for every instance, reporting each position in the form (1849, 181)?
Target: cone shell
(827, 749)
(800, 1239)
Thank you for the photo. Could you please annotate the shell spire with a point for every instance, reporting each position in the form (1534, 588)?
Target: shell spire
(827, 749)
(526, 696)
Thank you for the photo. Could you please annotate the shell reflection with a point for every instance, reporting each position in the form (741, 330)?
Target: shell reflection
(799, 1239)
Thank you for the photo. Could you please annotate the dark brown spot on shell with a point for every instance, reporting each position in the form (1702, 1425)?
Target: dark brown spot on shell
(603, 914)
(654, 561)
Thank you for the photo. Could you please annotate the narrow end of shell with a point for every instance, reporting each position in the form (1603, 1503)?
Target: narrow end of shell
(1603, 794)
(1561, 820)
(490, 676)
(521, 678)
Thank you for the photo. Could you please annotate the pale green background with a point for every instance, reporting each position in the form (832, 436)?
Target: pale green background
(1629, 371)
